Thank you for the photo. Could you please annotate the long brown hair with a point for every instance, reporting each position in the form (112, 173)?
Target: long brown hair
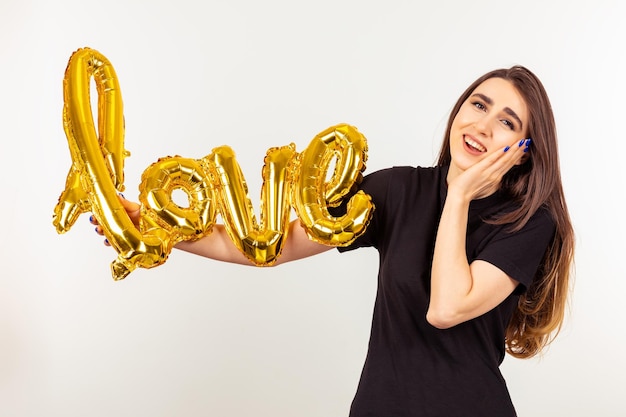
(535, 183)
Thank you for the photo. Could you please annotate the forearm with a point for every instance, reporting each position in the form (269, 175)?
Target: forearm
(461, 291)
(217, 246)
(451, 278)
(220, 247)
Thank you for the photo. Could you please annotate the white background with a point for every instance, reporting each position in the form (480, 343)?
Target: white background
(195, 337)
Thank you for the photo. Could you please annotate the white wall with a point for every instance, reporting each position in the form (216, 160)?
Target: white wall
(197, 338)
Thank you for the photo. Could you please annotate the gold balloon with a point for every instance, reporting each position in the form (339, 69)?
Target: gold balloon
(261, 241)
(347, 148)
(97, 172)
(212, 184)
(160, 180)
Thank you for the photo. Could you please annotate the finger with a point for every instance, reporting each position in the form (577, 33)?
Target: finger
(100, 231)
(93, 220)
(129, 206)
(519, 150)
(512, 154)
(500, 160)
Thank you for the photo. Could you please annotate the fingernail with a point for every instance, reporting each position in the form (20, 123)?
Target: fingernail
(521, 142)
(528, 142)
(91, 218)
(122, 195)
(106, 241)
(96, 229)
(507, 148)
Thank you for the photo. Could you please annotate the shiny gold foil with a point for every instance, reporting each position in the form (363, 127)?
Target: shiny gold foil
(313, 193)
(214, 184)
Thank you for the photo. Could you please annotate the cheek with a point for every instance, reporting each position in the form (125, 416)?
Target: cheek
(466, 116)
(507, 139)
(458, 123)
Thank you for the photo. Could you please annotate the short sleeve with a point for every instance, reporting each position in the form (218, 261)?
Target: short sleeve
(519, 254)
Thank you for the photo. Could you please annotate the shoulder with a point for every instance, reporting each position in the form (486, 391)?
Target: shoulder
(541, 226)
(402, 189)
(544, 217)
(407, 171)
(397, 194)
(402, 176)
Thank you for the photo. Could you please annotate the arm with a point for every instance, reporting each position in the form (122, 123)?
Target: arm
(219, 246)
(461, 291)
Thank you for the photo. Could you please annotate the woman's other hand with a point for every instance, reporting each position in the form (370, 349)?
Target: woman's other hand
(132, 209)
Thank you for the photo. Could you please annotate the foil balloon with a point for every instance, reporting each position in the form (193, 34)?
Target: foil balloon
(160, 181)
(260, 241)
(213, 185)
(97, 172)
(346, 147)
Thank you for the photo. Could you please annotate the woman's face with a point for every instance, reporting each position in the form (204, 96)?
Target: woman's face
(494, 116)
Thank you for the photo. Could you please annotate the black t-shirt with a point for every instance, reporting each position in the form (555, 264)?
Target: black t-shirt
(412, 368)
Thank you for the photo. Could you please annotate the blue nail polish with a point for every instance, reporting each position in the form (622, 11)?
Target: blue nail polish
(106, 241)
(122, 195)
(528, 142)
(507, 148)
(521, 142)
(96, 229)
(91, 218)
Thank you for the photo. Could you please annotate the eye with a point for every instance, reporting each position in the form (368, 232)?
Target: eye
(479, 105)
(508, 124)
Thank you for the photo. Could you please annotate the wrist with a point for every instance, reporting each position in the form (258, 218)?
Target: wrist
(458, 197)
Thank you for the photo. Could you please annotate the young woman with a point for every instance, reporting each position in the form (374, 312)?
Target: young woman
(475, 256)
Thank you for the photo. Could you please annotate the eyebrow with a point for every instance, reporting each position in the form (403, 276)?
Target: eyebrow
(507, 110)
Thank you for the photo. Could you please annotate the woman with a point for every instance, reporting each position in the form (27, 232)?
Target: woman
(475, 256)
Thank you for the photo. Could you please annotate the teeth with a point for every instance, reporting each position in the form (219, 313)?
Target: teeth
(475, 145)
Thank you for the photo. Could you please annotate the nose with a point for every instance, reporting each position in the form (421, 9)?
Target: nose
(483, 125)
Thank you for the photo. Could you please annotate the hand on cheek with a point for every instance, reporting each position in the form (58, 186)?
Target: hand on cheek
(483, 178)
(515, 153)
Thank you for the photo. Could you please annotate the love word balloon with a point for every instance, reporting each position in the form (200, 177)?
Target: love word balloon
(310, 182)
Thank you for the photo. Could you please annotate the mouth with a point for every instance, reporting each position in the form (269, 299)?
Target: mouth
(473, 145)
